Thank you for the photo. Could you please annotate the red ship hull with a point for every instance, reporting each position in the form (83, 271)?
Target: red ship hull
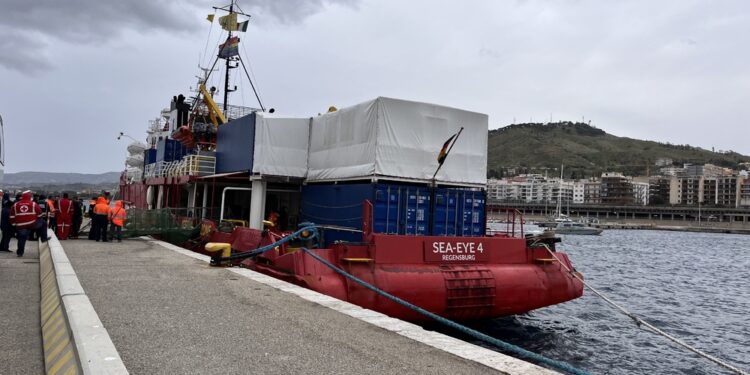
(449, 276)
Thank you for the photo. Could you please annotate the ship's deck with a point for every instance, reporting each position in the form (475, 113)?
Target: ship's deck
(167, 311)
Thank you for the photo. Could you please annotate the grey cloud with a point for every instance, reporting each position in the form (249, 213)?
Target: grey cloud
(21, 52)
(291, 11)
(84, 21)
(29, 25)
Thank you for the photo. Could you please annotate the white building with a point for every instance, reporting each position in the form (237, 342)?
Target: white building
(579, 189)
(640, 193)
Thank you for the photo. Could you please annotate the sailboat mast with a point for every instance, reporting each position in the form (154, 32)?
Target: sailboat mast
(559, 192)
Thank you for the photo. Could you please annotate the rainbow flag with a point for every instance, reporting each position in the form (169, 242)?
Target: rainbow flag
(229, 48)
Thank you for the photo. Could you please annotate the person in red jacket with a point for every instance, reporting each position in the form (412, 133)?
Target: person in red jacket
(64, 217)
(24, 215)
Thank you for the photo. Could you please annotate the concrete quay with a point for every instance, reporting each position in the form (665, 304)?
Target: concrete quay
(166, 311)
(20, 331)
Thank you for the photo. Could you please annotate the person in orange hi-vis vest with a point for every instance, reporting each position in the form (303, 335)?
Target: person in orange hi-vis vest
(117, 216)
(51, 214)
(101, 219)
(64, 217)
(92, 226)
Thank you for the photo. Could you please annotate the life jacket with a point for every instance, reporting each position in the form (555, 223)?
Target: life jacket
(118, 214)
(65, 208)
(101, 208)
(51, 208)
(25, 212)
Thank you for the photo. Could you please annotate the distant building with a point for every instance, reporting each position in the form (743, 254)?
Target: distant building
(659, 189)
(708, 170)
(578, 192)
(689, 189)
(591, 192)
(743, 191)
(696, 184)
(671, 171)
(616, 189)
(663, 162)
(641, 189)
(727, 191)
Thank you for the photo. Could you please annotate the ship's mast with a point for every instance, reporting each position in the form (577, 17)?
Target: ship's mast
(236, 58)
(228, 65)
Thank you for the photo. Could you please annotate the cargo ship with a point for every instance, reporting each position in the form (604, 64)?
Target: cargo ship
(392, 202)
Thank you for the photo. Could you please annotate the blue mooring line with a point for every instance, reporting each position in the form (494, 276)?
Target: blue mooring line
(558, 365)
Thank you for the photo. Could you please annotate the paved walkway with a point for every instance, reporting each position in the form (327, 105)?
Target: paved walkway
(168, 313)
(20, 332)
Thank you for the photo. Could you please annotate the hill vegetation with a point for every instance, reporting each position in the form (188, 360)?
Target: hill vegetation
(57, 183)
(587, 151)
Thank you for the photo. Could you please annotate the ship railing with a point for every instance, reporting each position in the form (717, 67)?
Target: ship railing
(165, 221)
(161, 168)
(509, 223)
(134, 175)
(199, 165)
(149, 170)
(232, 112)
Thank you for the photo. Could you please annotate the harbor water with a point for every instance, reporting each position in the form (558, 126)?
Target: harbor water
(695, 286)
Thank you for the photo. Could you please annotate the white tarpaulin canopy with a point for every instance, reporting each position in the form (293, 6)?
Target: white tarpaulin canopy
(280, 145)
(397, 138)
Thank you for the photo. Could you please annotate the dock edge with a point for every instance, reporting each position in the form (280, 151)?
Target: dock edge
(74, 339)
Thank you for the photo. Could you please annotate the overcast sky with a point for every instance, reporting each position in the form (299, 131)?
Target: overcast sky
(75, 73)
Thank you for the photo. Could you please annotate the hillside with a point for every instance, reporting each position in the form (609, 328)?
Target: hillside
(47, 178)
(586, 151)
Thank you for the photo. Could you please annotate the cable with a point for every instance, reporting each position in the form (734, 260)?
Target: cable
(252, 85)
(205, 49)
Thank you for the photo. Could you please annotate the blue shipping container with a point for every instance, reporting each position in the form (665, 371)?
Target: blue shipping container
(149, 156)
(446, 215)
(472, 213)
(459, 212)
(417, 204)
(169, 150)
(397, 209)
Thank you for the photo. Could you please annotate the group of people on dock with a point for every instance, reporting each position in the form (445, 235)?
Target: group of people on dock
(102, 214)
(29, 216)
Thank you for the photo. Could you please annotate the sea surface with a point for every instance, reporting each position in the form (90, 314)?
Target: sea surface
(695, 286)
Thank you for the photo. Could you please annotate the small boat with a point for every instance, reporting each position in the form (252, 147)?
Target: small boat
(576, 228)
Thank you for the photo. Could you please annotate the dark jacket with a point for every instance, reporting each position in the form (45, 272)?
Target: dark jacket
(5, 224)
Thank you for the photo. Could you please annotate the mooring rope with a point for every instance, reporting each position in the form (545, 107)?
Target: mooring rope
(476, 334)
(638, 321)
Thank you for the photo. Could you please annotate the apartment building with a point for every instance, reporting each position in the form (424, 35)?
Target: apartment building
(616, 189)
